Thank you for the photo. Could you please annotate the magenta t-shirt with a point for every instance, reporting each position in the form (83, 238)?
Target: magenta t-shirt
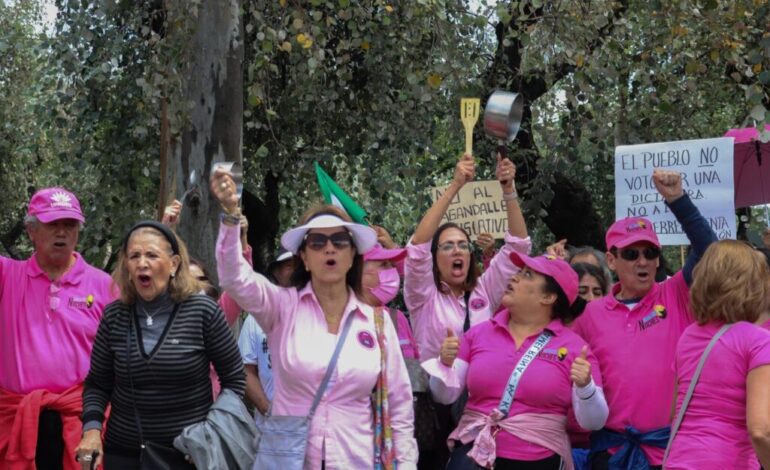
(713, 433)
(545, 387)
(636, 351)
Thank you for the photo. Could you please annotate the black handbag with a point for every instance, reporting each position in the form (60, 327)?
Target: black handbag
(157, 457)
(426, 425)
(152, 456)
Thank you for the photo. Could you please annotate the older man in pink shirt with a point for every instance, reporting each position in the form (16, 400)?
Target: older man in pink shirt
(634, 330)
(50, 308)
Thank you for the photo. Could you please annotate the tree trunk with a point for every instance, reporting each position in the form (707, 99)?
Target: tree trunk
(214, 130)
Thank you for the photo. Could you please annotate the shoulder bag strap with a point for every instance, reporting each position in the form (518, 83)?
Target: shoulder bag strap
(130, 379)
(332, 363)
(393, 317)
(467, 322)
(518, 371)
(691, 388)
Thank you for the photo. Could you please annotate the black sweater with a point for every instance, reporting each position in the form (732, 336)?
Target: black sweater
(171, 383)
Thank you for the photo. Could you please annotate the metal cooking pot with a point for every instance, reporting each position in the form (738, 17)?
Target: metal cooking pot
(502, 115)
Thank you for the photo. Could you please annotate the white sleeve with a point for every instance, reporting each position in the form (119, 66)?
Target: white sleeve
(446, 383)
(247, 341)
(590, 406)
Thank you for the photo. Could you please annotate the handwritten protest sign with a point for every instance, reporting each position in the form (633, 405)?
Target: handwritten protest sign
(477, 208)
(707, 177)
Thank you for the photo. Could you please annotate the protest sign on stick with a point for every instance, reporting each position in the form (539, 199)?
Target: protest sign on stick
(477, 208)
(707, 177)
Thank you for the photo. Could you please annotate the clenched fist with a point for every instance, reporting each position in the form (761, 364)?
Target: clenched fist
(668, 183)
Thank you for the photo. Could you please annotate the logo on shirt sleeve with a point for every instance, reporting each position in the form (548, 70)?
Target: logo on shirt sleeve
(366, 339)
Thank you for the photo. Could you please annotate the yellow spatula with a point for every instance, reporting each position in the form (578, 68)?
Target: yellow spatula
(469, 114)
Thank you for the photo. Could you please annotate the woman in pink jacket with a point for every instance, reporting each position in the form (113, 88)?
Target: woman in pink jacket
(442, 286)
(303, 323)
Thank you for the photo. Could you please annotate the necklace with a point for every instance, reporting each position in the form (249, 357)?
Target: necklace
(148, 321)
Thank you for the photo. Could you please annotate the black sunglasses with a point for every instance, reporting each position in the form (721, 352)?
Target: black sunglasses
(632, 254)
(317, 241)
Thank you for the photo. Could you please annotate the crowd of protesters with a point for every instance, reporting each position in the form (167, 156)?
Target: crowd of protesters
(576, 358)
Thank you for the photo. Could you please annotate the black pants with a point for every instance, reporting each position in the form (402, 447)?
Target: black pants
(601, 461)
(49, 452)
(460, 461)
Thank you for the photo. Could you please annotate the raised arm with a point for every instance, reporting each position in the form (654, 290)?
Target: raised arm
(249, 289)
(506, 172)
(465, 171)
(695, 226)
(501, 269)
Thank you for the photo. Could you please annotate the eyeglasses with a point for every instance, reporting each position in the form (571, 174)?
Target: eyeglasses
(448, 247)
(632, 254)
(317, 241)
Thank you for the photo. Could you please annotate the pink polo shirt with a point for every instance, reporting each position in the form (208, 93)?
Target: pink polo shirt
(48, 329)
(636, 350)
(545, 387)
(341, 430)
(713, 433)
(433, 311)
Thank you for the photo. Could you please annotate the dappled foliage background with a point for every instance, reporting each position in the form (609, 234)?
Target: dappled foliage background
(371, 90)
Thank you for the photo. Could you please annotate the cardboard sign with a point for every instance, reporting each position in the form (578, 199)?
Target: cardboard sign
(707, 177)
(477, 208)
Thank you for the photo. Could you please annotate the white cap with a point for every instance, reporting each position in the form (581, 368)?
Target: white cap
(364, 237)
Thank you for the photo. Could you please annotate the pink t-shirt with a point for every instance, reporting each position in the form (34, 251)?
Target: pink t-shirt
(636, 350)
(713, 433)
(47, 329)
(545, 387)
(341, 431)
(433, 311)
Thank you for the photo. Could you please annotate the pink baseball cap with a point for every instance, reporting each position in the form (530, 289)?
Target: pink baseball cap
(630, 230)
(378, 253)
(51, 204)
(550, 265)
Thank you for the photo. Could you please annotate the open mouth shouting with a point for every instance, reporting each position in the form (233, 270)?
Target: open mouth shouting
(509, 288)
(143, 281)
(458, 266)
